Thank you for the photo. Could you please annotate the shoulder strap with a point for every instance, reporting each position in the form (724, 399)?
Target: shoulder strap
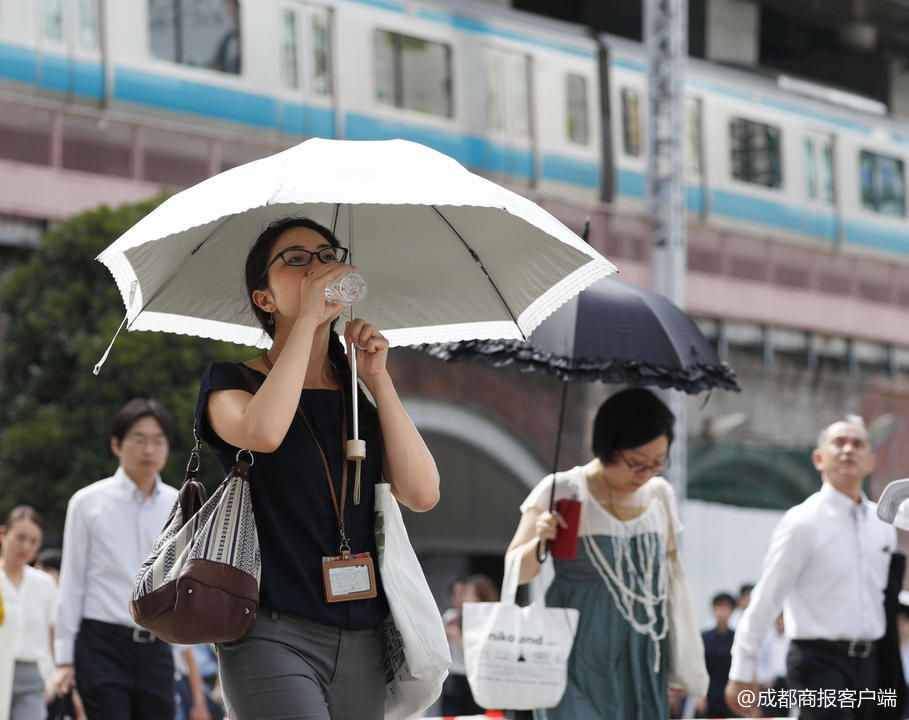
(193, 493)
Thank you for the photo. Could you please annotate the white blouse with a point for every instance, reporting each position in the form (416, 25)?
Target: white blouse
(653, 497)
(32, 608)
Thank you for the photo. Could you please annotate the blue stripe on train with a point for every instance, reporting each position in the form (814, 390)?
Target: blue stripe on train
(51, 72)
(477, 152)
(469, 150)
(188, 96)
(54, 73)
(820, 224)
(182, 95)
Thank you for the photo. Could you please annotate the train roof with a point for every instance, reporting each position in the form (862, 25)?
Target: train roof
(777, 90)
(520, 26)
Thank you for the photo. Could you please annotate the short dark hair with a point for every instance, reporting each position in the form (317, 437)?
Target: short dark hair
(629, 419)
(721, 598)
(746, 589)
(134, 411)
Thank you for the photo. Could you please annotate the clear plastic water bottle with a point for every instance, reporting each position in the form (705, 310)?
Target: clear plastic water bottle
(346, 290)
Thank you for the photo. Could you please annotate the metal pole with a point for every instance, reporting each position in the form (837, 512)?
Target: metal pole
(666, 40)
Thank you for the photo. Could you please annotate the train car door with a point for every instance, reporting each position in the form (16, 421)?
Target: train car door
(696, 186)
(510, 154)
(68, 46)
(818, 162)
(307, 68)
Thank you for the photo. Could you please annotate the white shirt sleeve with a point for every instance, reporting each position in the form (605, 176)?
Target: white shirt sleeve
(49, 613)
(566, 488)
(73, 567)
(789, 550)
(51, 608)
(664, 490)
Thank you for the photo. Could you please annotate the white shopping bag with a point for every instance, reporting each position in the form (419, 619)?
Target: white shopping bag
(517, 657)
(416, 648)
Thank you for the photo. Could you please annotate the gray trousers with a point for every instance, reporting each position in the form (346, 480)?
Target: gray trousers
(295, 669)
(28, 693)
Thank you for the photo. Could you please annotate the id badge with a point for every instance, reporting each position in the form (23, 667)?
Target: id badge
(349, 577)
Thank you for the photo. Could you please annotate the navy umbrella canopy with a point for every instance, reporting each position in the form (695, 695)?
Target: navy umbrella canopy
(611, 332)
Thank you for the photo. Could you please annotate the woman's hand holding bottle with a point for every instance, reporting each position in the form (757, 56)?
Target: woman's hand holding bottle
(312, 292)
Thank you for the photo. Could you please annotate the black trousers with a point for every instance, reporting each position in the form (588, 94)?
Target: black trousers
(819, 665)
(120, 678)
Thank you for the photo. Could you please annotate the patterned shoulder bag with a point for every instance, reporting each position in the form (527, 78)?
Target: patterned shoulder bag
(201, 582)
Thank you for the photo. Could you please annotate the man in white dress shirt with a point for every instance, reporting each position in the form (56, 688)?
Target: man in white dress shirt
(121, 671)
(827, 567)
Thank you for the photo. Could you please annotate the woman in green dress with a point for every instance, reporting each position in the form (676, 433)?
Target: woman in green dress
(619, 579)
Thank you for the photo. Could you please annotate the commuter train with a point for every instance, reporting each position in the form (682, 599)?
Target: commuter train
(538, 104)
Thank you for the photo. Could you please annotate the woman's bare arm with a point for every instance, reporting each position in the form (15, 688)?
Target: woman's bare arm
(534, 527)
(409, 465)
(259, 422)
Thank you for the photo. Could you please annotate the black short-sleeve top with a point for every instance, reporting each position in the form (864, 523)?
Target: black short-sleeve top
(295, 517)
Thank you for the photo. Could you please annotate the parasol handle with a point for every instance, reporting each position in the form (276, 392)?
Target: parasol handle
(356, 448)
(542, 550)
(352, 357)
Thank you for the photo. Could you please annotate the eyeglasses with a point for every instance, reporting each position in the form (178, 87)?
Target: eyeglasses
(638, 468)
(139, 440)
(297, 256)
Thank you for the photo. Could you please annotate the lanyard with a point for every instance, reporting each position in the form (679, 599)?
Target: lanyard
(344, 546)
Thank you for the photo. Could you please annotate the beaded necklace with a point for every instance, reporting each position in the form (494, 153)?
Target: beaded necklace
(637, 579)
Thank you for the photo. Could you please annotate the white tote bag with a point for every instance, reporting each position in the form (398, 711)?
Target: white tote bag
(416, 648)
(517, 657)
(687, 666)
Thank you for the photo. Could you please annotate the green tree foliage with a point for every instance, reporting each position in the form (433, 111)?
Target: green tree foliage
(61, 308)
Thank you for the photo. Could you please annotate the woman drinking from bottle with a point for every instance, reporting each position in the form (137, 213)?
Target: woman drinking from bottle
(315, 650)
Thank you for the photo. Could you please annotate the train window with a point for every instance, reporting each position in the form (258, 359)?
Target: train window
(306, 27)
(693, 123)
(826, 172)
(507, 98)
(818, 159)
(52, 20)
(495, 91)
(518, 74)
(757, 153)
(413, 73)
(883, 184)
(811, 180)
(578, 123)
(631, 122)
(88, 24)
(59, 20)
(200, 33)
(321, 51)
(290, 62)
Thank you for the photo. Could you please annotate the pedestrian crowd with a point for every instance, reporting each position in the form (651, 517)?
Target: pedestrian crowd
(816, 618)
(72, 649)
(823, 616)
